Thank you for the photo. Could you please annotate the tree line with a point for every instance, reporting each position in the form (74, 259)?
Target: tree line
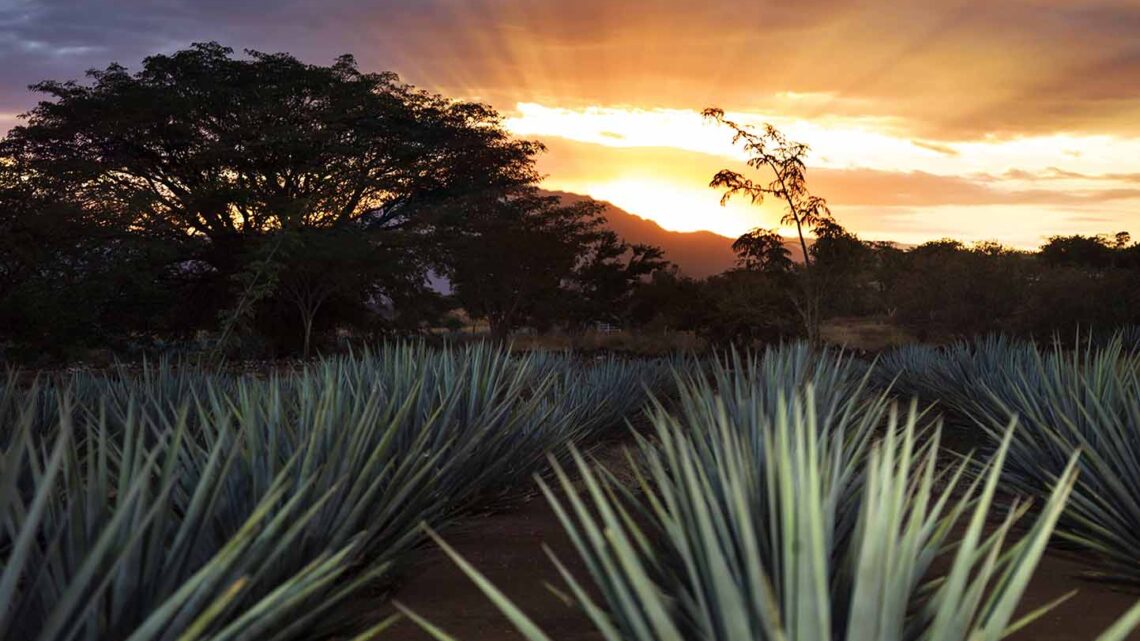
(938, 290)
(267, 203)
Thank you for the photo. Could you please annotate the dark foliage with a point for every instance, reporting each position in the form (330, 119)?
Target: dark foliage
(270, 201)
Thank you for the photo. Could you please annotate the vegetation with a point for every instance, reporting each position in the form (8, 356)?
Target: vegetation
(258, 206)
(536, 261)
(785, 160)
(1085, 399)
(765, 509)
(270, 201)
(183, 504)
(938, 291)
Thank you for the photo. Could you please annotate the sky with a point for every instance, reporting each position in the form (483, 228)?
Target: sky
(1008, 120)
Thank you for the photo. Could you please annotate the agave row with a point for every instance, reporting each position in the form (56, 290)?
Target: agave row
(182, 504)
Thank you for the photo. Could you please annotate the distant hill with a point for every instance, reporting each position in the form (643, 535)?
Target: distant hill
(696, 253)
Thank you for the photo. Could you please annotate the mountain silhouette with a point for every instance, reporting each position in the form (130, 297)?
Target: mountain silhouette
(696, 253)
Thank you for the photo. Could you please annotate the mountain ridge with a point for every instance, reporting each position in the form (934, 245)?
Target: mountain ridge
(697, 254)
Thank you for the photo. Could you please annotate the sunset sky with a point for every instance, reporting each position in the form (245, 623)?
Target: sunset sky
(985, 119)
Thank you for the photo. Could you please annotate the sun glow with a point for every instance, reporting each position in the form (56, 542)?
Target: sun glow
(679, 207)
(657, 163)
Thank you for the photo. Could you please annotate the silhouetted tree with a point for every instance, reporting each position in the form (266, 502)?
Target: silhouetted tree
(769, 150)
(747, 307)
(842, 265)
(325, 268)
(206, 153)
(531, 258)
(762, 250)
(603, 281)
(65, 282)
(1093, 252)
(947, 288)
(202, 143)
(888, 267)
(668, 301)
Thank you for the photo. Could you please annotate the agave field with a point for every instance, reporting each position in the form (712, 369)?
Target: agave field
(793, 493)
(181, 504)
(802, 495)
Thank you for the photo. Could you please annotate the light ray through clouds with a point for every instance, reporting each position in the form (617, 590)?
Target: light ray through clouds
(1003, 119)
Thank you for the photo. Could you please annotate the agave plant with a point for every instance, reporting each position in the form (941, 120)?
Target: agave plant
(94, 550)
(1086, 399)
(784, 523)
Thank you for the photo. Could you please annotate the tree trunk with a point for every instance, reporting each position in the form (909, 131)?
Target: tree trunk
(500, 329)
(307, 319)
(808, 307)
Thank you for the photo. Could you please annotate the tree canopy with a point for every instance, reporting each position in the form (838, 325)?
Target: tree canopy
(532, 258)
(200, 143)
(229, 191)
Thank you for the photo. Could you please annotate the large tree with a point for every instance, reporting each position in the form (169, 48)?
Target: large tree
(203, 143)
(210, 153)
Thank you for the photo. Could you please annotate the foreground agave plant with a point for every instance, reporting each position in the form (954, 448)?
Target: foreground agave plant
(179, 504)
(99, 553)
(779, 527)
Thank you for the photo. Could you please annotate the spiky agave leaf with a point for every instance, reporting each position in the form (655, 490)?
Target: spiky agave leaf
(92, 545)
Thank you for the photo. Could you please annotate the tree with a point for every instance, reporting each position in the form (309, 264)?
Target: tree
(511, 260)
(770, 150)
(202, 143)
(667, 301)
(607, 274)
(888, 270)
(762, 250)
(946, 288)
(532, 258)
(65, 282)
(1120, 240)
(206, 154)
(842, 264)
(745, 307)
(1090, 252)
(320, 268)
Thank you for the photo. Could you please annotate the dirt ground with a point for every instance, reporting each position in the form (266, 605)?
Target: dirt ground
(507, 548)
